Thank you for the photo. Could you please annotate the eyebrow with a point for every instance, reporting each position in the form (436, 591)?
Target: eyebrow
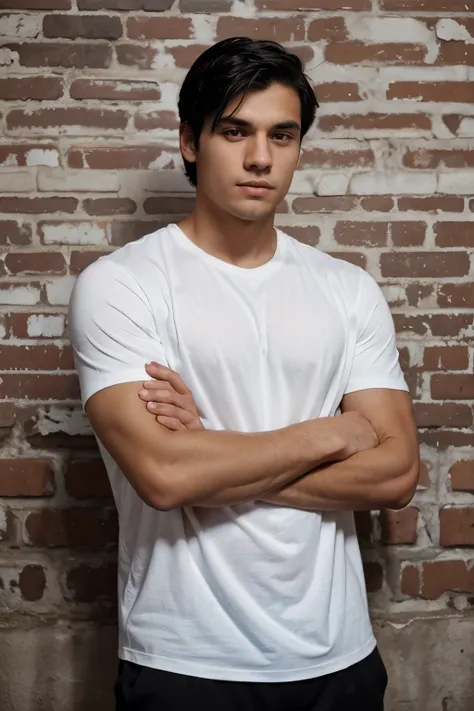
(241, 123)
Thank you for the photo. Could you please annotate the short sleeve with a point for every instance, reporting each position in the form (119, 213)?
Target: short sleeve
(376, 360)
(112, 328)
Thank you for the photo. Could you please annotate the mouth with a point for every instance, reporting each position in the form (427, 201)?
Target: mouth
(256, 187)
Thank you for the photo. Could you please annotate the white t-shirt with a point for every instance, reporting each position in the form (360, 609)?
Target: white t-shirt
(250, 592)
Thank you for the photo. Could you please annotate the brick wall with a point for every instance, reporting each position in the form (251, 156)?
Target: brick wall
(89, 162)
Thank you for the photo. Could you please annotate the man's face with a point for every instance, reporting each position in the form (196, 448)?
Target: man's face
(259, 144)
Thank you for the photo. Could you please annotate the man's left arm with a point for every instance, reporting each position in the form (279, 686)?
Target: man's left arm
(383, 477)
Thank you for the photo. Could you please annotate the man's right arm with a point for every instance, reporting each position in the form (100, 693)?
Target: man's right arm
(214, 468)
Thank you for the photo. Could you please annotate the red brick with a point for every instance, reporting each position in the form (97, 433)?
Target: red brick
(328, 28)
(36, 88)
(38, 206)
(424, 480)
(269, 28)
(40, 387)
(456, 296)
(433, 204)
(126, 158)
(445, 415)
(322, 158)
(337, 91)
(324, 205)
(362, 53)
(361, 234)
(444, 439)
(446, 358)
(453, 122)
(410, 580)
(72, 527)
(159, 28)
(424, 264)
(462, 476)
(373, 574)
(71, 116)
(379, 203)
(453, 387)
(32, 582)
(313, 5)
(155, 120)
(19, 323)
(399, 527)
(457, 91)
(85, 26)
(35, 262)
(408, 234)
(26, 477)
(184, 55)
(123, 232)
(168, 205)
(86, 479)
(35, 4)
(109, 206)
(454, 234)
(451, 325)
(307, 235)
(15, 233)
(455, 53)
(374, 122)
(357, 258)
(152, 5)
(424, 5)
(430, 159)
(114, 89)
(36, 358)
(82, 259)
(92, 584)
(456, 526)
(69, 56)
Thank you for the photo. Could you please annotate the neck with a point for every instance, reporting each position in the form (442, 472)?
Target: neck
(245, 243)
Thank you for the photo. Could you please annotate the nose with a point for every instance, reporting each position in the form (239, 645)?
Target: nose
(258, 156)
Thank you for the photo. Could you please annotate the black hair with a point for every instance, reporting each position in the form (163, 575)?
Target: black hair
(232, 68)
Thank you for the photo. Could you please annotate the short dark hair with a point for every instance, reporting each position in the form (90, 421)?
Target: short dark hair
(232, 68)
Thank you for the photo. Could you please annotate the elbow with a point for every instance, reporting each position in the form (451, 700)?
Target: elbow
(158, 489)
(402, 490)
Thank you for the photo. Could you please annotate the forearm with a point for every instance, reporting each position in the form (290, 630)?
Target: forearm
(223, 468)
(378, 478)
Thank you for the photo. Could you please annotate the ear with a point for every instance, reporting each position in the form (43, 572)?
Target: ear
(186, 143)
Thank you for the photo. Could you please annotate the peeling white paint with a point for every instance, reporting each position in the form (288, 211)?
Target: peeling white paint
(19, 296)
(449, 30)
(74, 233)
(59, 290)
(42, 325)
(42, 156)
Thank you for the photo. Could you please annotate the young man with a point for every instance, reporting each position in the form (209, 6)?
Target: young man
(240, 579)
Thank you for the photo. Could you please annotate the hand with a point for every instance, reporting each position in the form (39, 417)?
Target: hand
(357, 433)
(169, 399)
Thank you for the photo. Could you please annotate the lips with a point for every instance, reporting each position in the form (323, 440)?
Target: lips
(256, 184)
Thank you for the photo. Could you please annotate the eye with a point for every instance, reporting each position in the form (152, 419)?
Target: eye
(283, 137)
(233, 133)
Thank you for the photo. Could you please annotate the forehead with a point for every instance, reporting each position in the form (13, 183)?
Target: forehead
(276, 104)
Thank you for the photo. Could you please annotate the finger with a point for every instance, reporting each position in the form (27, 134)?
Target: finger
(171, 411)
(170, 422)
(161, 395)
(160, 372)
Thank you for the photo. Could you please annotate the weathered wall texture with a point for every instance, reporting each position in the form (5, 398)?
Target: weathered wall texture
(89, 161)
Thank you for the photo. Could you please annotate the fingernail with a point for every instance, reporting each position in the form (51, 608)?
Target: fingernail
(143, 392)
(151, 405)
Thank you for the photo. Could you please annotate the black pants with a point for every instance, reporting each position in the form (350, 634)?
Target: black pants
(361, 687)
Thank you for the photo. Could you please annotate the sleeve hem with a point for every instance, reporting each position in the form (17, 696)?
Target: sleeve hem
(101, 381)
(375, 383)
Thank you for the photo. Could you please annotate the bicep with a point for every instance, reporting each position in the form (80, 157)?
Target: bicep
(138, 444)
(390, 412)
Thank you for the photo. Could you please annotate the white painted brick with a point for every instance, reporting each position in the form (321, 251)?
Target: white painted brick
(466, 128)
(59, 290)
(11, 161)
(205, 28)
(16, 182)
(390, 74)
(20, 26)
(80, 181)
(26, 295)
(460, 183)
(7, 57)
(305, 182)
(42, 156)
(336, 184)
(450, 30)
(3, 330)
(43, 325)
(73, 421)
(243, 8)
(74, 233)
(389, 29)
(379, 183)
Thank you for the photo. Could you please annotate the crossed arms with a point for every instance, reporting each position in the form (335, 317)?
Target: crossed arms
(367, 458)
